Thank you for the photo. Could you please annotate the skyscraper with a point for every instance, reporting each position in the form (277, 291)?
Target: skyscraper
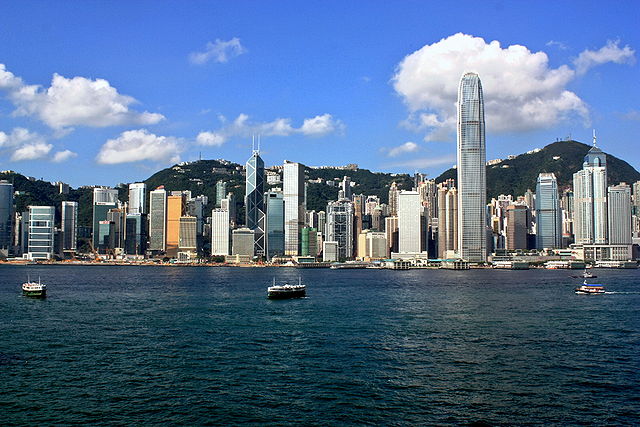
(138, 198)
(548, 215)
(345, 186)
(41, 228)
(517, 227)
(590, 198)
(472, 188)
(175, 210)
(274, 224)
(447, 219)
(221, 192)
(104, 199)
(409, 217)
(619, 214)
(6, 215)
(294, 206)
(340, 226)
(157, 219)
(393, 199)
(136, 234)
(254, 200)
(69, 225)
(220, 232)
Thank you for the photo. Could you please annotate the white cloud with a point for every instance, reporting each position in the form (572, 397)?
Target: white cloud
(243, 126)
(610, 52)
(139, 145)
(521, 91)
(407, 147)
(210, 138)
(321, 125)
(31, 151)
(425, 162)
(77, 101)
(63, 156)
(18, 137)
(218, 51)
(559, 45)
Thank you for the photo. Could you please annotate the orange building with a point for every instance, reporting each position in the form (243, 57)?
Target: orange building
(175, 209)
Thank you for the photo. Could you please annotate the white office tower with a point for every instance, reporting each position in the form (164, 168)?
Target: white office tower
(41, 228)
(409, 213)
(619, 214)
(548, 215)
(157, 220)
(472, 188)
(69, 225)
(294, 206)
(447, 220)
(220, 232)
(590, 199)
(340, 227)
(138, 198)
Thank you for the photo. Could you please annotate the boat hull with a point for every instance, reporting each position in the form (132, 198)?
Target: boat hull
(286, 294)
(35, 294)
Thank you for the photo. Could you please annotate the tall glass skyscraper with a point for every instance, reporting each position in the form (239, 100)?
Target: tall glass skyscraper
(157, 219)
(6, 214)
(221, 192)
(619, 214)
(548, 215)
(340, 226)
(590, 199)
(138, 198)
(69, 225)
(472, 187)
(274, 224)
(41, 228)
(104, 199)
(254, 200)
(294, 206)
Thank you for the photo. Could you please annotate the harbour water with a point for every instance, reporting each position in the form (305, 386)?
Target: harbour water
(151, 345)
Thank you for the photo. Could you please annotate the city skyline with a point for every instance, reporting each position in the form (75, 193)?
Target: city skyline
(177, 95)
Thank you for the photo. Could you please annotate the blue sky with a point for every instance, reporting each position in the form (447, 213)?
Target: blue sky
(101, 92)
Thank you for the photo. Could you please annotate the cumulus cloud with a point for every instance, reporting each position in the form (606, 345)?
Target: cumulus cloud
(407, 147)
(611, 52)
(63, 156)
(243, 126)
(77, 101)
(521, 91)
(139, 145)
(210, 138)
(32, 151)
(219, 51)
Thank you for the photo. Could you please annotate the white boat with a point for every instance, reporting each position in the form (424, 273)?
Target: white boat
(286, 290)
(34, 289)
(587, 289)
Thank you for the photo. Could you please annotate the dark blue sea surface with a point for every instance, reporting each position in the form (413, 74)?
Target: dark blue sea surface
(169, 345)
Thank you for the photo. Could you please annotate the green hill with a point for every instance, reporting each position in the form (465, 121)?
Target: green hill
(563, 158)
(511, 176)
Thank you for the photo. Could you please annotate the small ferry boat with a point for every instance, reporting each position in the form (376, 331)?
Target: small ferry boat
(585, 275)
(286, 290)
(587, 289)
(33, 289)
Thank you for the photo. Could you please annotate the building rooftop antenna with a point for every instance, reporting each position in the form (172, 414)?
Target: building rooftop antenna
(594, 137)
